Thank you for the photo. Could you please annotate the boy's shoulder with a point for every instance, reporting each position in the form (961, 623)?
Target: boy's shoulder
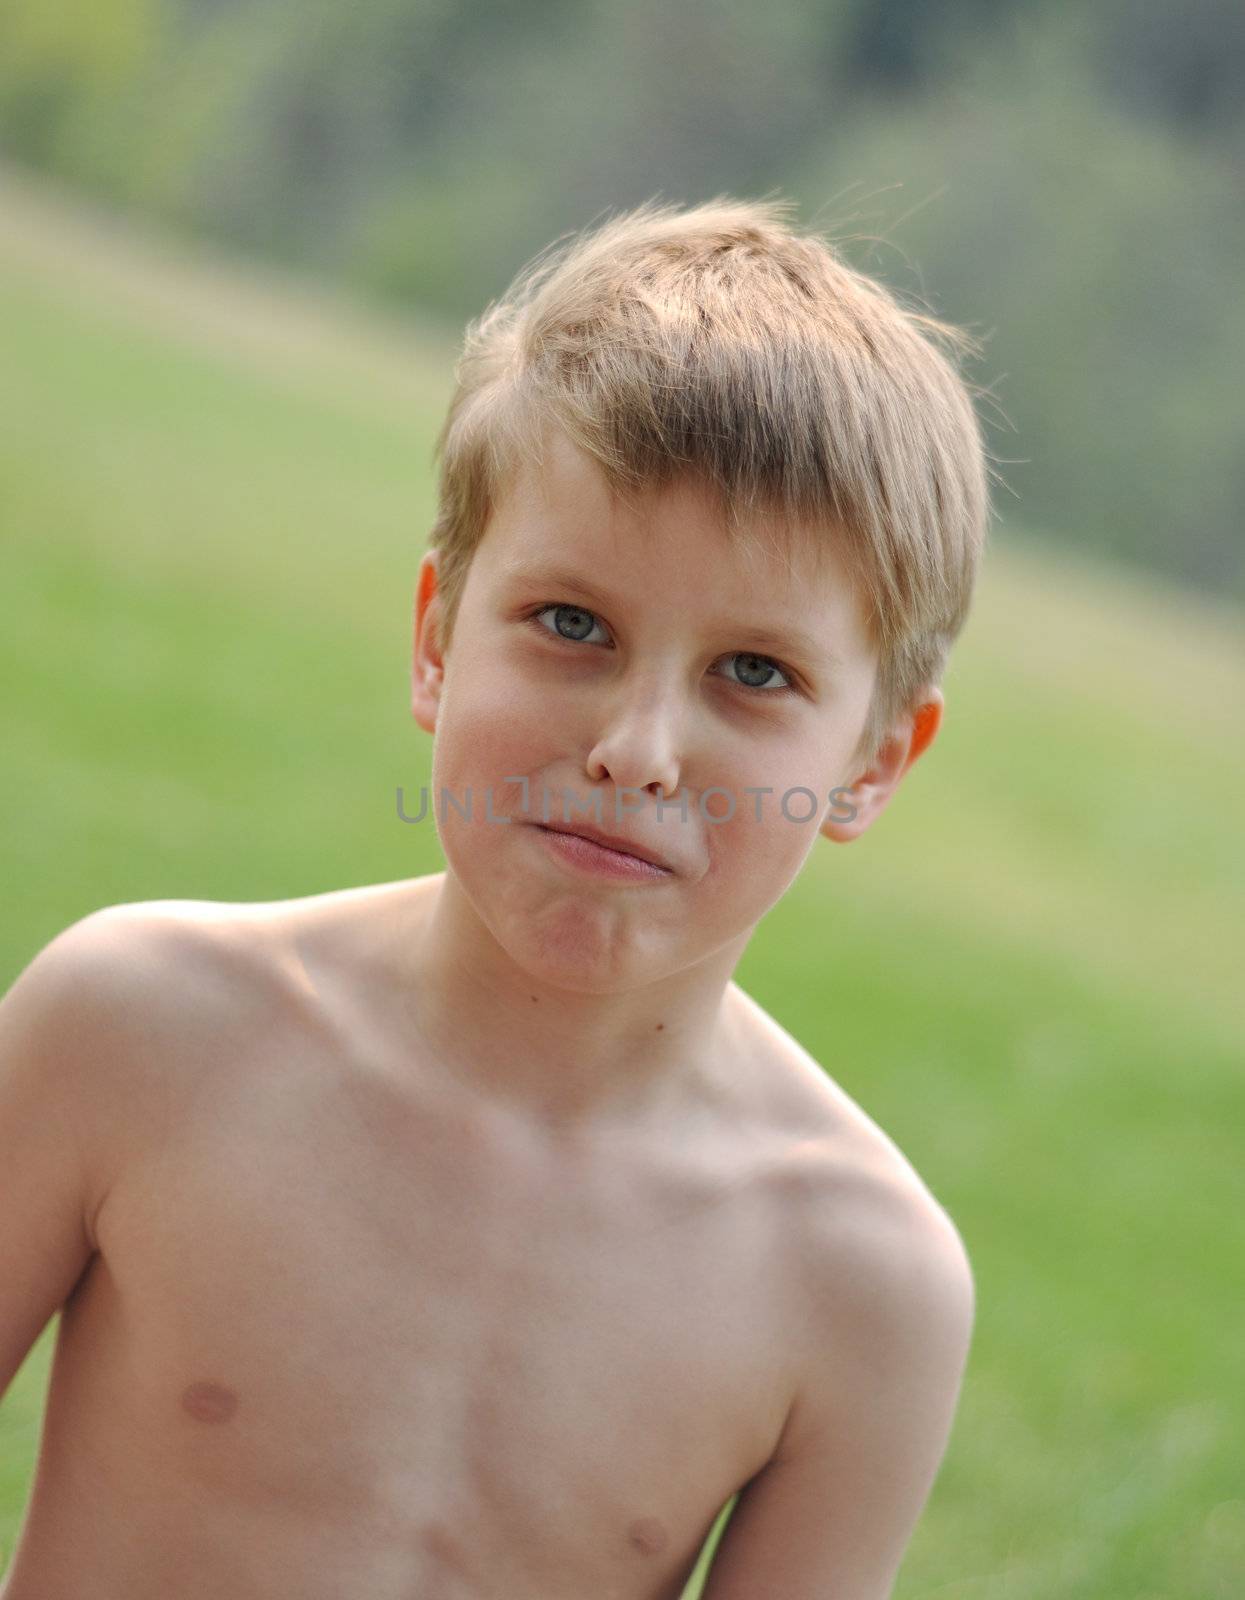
(178, 984)
(138, 961)
(225, 952)
(117, 1022)
(828, 1136)
(134, 996)
(876, 1309)
(855, 1216)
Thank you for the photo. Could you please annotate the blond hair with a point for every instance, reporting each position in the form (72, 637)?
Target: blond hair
(717, 342)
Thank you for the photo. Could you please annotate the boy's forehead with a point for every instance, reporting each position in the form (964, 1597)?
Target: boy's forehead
(562, 511)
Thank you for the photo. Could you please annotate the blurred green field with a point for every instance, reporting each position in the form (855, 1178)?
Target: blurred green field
(213, 495)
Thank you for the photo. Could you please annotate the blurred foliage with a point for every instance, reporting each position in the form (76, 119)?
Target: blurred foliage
(1066, 183)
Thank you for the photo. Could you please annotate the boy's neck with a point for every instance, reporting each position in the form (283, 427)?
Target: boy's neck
(560, 1057)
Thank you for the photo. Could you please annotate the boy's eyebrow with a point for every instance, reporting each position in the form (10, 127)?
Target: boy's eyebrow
(783, 638)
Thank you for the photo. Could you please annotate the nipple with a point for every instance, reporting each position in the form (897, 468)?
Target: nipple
(209, 1402)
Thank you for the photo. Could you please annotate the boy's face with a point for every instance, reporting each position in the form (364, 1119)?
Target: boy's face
(629, 657)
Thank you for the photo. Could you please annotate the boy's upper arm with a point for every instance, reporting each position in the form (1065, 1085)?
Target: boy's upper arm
(833, 1511)
(63, 1095)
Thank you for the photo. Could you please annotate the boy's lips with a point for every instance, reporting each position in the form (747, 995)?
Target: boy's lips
(610, 841)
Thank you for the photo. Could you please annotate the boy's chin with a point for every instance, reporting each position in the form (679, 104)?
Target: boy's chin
(582, 950)
(564, 938)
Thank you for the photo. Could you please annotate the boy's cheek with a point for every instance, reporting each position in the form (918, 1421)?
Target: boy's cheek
(485, 736)
(478, 783)
(763, 850)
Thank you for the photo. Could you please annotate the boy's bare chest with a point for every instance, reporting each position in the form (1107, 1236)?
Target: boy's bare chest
(380, 1313)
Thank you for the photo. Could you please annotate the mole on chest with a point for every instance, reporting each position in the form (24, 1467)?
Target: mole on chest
(648, 1536)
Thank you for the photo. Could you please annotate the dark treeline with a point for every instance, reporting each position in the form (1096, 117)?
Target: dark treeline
(1066, 183)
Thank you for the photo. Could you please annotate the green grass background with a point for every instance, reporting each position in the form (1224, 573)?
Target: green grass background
(214, 488)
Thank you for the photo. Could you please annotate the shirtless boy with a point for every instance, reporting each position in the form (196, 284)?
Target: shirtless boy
(476, 1237)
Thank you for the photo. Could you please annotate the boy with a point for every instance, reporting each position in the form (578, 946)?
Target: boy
(476, 1235)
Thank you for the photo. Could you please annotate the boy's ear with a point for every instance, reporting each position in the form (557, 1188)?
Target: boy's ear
(427, 665)
(870, 793)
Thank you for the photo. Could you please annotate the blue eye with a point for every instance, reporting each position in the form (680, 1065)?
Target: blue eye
(763, 665)
(571, 622)
(575, 624)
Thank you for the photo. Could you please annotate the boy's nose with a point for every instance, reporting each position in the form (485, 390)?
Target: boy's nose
(638, 748)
